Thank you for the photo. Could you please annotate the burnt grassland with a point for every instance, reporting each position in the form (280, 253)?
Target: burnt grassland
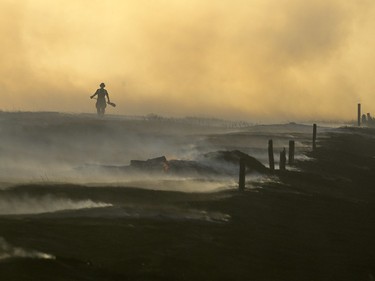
(316, 223)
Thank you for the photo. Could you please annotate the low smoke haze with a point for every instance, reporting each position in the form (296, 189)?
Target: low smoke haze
(252, 59)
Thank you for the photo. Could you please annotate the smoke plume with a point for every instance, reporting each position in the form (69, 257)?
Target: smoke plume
(21, 205)
(8, 251)
(245, 59)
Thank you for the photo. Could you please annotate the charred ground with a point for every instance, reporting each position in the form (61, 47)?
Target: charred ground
(314, 223)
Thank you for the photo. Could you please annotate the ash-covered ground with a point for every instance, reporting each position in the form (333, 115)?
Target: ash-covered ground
(80, 201)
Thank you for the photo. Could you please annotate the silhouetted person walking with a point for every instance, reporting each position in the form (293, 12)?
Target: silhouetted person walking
(101, 103)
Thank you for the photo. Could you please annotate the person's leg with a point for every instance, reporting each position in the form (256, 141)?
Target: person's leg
(98, 108)
(103, 108)
(100, 111)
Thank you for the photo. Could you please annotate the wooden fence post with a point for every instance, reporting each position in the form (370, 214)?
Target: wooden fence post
(241, 181)
(291, 152)
(359, 115)
(270, 155)
(282, 160)
(314, 137)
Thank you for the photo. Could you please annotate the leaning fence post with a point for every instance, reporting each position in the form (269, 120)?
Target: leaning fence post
(270, 155)
(314, 137)
(291, 152)
(282, 160)
(241, 181)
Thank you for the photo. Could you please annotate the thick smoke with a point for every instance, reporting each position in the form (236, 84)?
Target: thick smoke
(55, 148)
(245, 59)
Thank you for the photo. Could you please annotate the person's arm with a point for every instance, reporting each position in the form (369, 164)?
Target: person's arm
(106, 93)
(94, 94)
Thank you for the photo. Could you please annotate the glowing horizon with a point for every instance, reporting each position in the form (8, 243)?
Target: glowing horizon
(238, 59)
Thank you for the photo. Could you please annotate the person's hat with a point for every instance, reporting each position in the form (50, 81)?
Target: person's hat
(102, 84)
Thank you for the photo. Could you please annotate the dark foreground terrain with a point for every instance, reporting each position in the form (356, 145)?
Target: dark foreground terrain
(317, 223)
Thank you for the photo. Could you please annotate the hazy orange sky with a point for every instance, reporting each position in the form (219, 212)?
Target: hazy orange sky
(237, 59)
